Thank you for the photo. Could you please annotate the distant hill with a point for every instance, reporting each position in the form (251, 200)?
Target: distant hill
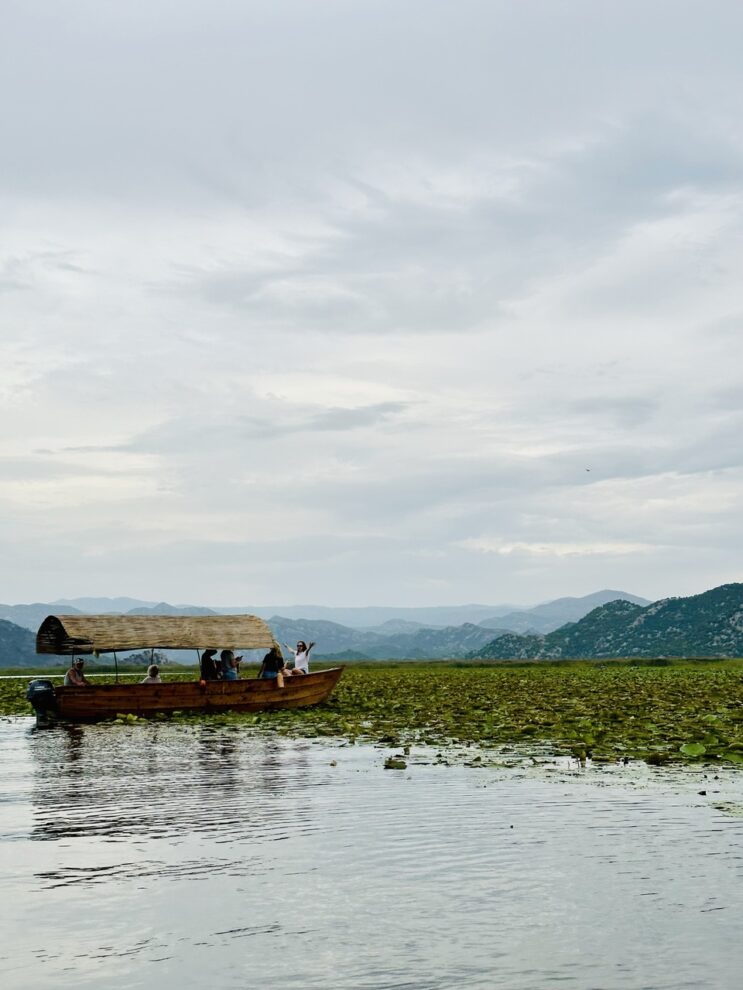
(551, 615)
(31, 616)
(394, 626)
(331, 637)
(343, 657)
(97, 606)
(164, 609)
(18, 647)
(362, 617)
(372, 616)
(706, 625)
(334, 640)
(432, 644)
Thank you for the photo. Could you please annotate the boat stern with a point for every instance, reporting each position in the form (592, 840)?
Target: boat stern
(40, 693)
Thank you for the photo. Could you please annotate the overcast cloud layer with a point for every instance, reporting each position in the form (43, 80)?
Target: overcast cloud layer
(368, 302)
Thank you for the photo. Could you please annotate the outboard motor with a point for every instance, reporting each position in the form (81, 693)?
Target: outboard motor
(41, 695)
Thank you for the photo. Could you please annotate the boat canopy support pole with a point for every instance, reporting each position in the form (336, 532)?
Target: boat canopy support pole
(116, 665)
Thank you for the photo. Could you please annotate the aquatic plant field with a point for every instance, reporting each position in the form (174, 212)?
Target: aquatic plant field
(606, 712)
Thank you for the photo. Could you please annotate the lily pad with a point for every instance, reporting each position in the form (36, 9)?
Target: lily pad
(733, 756)
(693, 749)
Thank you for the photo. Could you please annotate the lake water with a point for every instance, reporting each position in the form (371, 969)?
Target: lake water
(159, 855)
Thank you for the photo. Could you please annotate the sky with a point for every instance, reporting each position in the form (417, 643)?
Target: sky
(370, 302)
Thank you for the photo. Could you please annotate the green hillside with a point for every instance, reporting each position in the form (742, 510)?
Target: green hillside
(18, 647)
(706, 625)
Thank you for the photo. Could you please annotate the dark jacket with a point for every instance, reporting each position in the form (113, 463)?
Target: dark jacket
(209, 671)
(272, 663)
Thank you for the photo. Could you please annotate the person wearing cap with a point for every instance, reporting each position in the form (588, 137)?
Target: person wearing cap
(75, 676)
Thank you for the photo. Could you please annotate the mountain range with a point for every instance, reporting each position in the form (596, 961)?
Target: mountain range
(398, 636)
(552, 615)
(334, 642)
(384, 621)
(705, 625)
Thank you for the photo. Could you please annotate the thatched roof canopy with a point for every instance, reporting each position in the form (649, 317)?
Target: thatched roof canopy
(68, 634)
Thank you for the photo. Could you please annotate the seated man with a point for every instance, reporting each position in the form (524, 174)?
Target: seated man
(75, 676)
(153, 675)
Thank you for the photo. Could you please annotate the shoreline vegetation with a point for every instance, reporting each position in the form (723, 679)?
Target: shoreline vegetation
(660, 711)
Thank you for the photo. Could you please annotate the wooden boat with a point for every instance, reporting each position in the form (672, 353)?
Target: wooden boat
(78, 635)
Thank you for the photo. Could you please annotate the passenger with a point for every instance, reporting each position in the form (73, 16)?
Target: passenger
(209, 670)
(273, 666)
(230, 665)
(75, 676)
(301, 657)
(153, 675)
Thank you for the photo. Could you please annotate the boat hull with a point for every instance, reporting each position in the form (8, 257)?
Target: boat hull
(101, 701)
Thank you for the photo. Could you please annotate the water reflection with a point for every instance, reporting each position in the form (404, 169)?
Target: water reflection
(159, 781)
(202, 854)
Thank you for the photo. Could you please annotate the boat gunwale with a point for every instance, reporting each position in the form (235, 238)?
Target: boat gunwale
(266, 683)
(102, 701)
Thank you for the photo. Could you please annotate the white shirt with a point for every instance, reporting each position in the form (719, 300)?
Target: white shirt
(302, 661)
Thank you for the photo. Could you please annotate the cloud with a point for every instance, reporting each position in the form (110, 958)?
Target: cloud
(558, 549)
(275, 319)
(196, 434)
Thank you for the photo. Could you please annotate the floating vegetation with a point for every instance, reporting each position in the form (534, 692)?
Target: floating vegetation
(732, 808)
(127, 719)
(603, 712)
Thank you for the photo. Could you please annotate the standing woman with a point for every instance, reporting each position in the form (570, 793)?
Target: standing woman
(301, 657)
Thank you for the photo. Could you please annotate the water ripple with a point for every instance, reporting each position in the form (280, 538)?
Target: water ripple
(190, 855)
